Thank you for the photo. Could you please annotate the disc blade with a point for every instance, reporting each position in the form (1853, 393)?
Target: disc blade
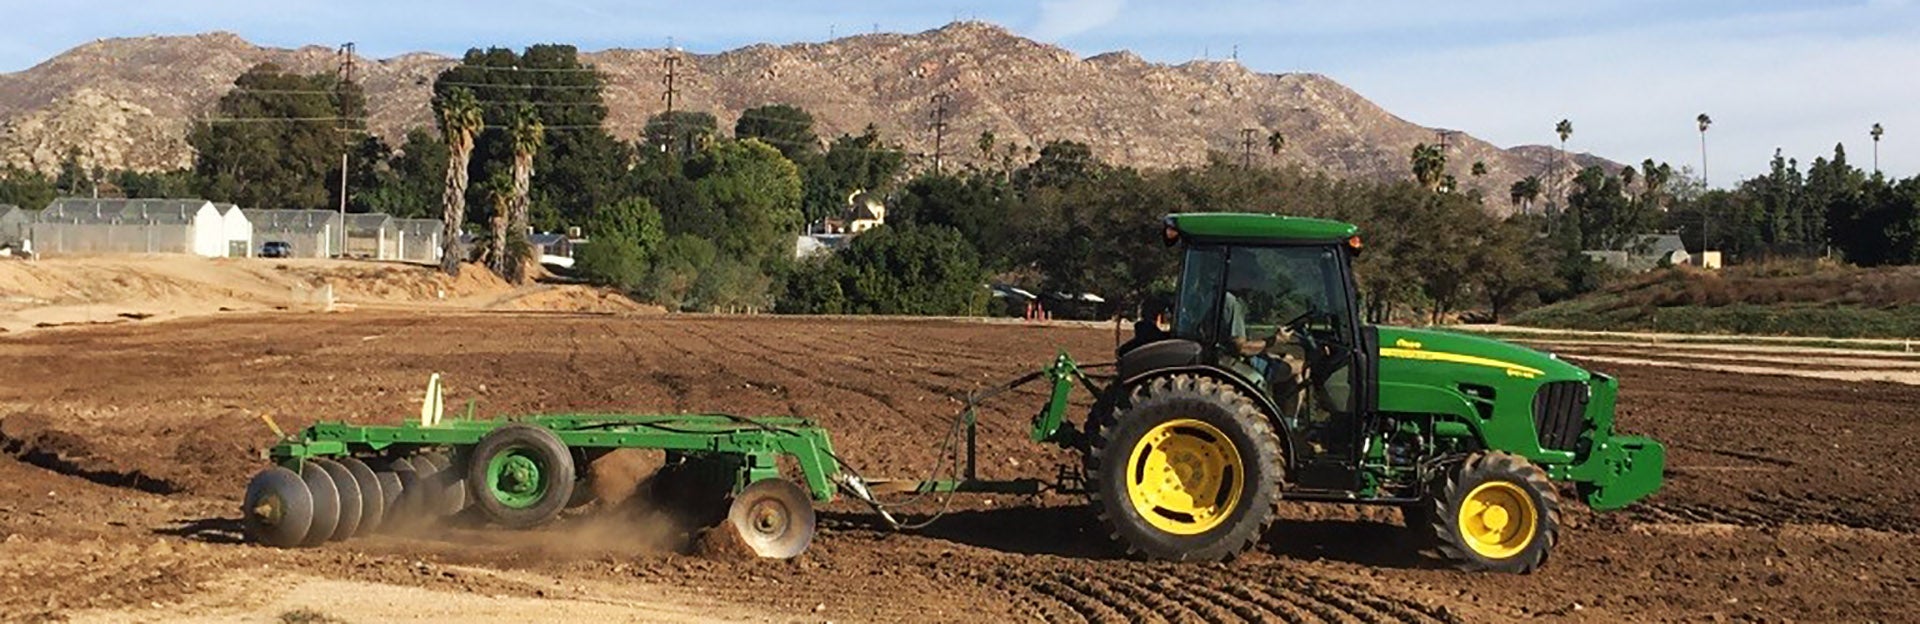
(774, 518)
(326, 503)
(349, 490)
(278, 508)
(373, 503)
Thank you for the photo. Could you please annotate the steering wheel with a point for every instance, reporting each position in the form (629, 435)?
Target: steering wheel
(1323, 357)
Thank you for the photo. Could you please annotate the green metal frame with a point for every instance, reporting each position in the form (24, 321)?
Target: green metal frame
(753, 444)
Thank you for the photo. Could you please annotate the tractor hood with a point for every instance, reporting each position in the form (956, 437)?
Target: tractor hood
(1472, 356)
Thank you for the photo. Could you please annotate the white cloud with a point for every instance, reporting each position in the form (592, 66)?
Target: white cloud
(1060, 19)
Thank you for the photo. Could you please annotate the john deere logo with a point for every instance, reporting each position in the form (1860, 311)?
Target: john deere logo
(1406, 344)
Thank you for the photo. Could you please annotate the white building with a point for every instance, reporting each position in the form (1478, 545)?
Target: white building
(237, 229)
(310, 233)
(98, 226)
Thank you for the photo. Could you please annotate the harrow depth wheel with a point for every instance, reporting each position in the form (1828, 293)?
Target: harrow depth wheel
(521, 476)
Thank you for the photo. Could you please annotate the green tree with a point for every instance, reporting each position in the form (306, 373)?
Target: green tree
(410, 186)
(852, 164)
(459, 121)
(786, 127)
(980, 206)
(676, 270)
(748, 202)
(1513, 266)
(814, 288)
(912, 270)
(1479, 169)
(153, 184)
(582, 166)
(1061, 164)
(681, 134)
(1276, 142)
(25, 188)
(273, 141)
(623, 240)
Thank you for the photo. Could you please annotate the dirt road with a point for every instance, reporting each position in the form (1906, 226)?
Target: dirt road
(128, 447)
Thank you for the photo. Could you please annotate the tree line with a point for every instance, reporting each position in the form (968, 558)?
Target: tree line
(697, 217)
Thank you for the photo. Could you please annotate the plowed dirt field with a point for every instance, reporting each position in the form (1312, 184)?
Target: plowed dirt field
(128, 447)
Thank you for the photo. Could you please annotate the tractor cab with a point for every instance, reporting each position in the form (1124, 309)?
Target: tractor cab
(1271, 302)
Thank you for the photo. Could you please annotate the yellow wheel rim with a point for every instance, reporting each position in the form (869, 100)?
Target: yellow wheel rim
(1185, 477)
(1498, 519)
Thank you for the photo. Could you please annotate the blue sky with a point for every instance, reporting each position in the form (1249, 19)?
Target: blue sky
(1630, 74)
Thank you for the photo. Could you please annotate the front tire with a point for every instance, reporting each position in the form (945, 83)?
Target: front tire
(1191, 471)
(1495, 512)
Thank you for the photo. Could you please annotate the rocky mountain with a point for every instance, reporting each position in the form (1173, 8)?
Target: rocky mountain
(127, 102)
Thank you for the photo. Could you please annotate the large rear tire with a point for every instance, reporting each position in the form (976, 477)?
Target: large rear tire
(1495, 512)
(1191, 471)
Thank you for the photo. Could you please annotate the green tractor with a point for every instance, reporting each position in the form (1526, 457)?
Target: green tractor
(1269, 387)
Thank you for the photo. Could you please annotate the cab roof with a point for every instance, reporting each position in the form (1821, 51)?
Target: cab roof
(1251, 227)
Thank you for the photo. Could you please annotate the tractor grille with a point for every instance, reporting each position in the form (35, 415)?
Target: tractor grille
(1559, 414)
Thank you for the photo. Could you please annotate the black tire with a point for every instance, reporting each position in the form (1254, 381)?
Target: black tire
(349, 491)
(1170, 405)
(554, 485)
(278, 509)
(373, 498)
(326, 503)
(1533, 502)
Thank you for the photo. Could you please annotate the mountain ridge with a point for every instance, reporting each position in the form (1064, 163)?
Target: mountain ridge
(127, 102)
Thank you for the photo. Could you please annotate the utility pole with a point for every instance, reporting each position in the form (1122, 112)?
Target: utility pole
(346, 145)
(1246, 147)
(672, 65)
(939, 127)
(1706, 217)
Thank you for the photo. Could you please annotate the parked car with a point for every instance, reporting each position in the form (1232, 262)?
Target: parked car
(276, 249)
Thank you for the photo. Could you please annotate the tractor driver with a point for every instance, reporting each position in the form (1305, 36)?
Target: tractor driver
(1277, 360)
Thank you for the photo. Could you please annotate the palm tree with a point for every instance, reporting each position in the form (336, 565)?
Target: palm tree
(1478, 169)
(499, 190)
(1627, 174)
(1275, 141)
(1429, 166)
(459, 120)
(525, 133)
(1706, 218)
(1703, 120)
(1524, 191)
(1876, 132)
(1564, 129)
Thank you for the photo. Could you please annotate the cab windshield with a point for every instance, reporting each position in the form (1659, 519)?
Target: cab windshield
(1247, 293)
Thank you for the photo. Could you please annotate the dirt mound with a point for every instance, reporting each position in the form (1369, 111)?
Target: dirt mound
(576, 298)
(390, 282)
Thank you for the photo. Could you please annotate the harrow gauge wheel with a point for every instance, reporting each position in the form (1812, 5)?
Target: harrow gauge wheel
(520, 476)
(774, 518)
(278, 509)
